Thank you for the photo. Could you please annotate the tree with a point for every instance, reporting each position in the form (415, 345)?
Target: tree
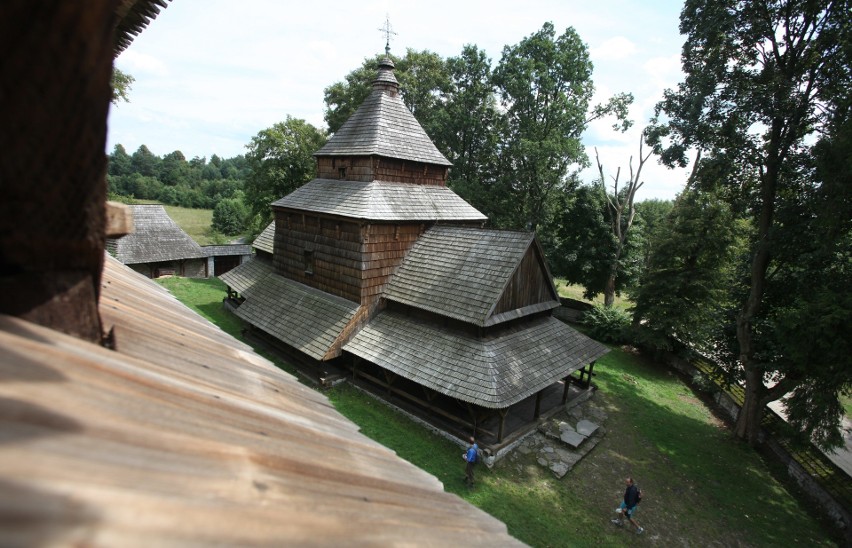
(545, 86)
(469, 128)
(121, 83)
(764, 80)
(174, 169)
(119, 161)
(653, 214)
(687, 290)
(145, 162)
(581, 244)
(229, 216)
(281, 160)
(621, 211)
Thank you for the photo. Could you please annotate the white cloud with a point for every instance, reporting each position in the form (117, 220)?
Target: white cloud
(616, 48)
(142, 64)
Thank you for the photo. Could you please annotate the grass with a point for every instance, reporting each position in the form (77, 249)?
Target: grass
(574, 291)
(701, 485)
(846, 400)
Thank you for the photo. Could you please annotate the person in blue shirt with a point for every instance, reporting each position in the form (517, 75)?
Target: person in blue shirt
(470, 457)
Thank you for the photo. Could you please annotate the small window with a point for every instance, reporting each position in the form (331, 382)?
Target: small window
(341, 172)
(309, 262)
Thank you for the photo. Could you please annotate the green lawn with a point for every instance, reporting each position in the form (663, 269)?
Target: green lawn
(574, 291)
(701, 486)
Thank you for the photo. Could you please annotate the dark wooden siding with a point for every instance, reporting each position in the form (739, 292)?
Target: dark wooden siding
(529, 285)
(385, 245)
(335, 246)
(373, 168)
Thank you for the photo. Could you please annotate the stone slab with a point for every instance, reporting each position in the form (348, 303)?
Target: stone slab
(572, 438)
(586, 428)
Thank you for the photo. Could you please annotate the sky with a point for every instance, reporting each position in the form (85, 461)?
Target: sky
(211, 74)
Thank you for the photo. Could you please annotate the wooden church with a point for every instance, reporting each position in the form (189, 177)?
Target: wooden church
(376, 265)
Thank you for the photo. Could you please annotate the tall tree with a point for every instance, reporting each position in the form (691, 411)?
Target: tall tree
(764, 79)
(545, 86)
(621, 210)
(692, 276)
(469, 128)
(281, 160)
(582, 247)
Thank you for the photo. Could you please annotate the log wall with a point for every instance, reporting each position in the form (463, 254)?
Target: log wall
(385, 245)
(373, 168)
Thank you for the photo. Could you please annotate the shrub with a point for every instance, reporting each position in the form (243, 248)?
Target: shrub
(229, 216)
(607, 324)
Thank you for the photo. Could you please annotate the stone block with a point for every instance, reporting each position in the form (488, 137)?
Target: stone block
(586, 428)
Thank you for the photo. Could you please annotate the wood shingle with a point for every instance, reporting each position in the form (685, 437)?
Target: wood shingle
(265, 241)
(380, 201)
(156, 238)
(247, 275)
(493, 372)
(307, 319)
(383, 126)
(461, 272)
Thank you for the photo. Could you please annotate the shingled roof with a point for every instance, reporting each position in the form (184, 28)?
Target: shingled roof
(380, 201)
(133, 16)
(265, 241)
(182, 435)
(383, 126)
(156, 238)
(462, 272)
(307, 319)
(493, 372)
(244, 277)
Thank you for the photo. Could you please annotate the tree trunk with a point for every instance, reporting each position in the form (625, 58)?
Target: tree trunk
(748, 421)
(609, 291)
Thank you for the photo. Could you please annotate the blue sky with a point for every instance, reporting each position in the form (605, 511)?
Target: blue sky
(210, 74)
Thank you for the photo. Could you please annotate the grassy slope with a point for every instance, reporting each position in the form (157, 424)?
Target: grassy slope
(195, 222)
(701, 486)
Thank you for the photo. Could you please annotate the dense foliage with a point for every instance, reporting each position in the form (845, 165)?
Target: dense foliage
(173, 179)
(766, 105)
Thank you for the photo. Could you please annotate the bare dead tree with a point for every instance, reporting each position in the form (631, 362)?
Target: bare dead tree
(622, 211)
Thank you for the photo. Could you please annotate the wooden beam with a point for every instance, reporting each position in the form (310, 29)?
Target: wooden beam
(537, 413)
(119, 220)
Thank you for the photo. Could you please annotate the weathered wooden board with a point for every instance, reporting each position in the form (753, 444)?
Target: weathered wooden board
(185, 436)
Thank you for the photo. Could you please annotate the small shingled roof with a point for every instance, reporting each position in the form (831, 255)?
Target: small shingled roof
(226, 250)
(460, 272)
(265, 241)
(380, 201)
(383, 126)
(493, 372)
(244, 277)
(156, 238)
(307, 319)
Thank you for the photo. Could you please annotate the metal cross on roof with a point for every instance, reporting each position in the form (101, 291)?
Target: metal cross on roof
(387, 29)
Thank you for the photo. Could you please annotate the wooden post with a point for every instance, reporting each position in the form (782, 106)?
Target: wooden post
(503, 413)
(473, 420)
(565, 390)
(355, 367)
(538, 404)
(55, 99)
(589, 380)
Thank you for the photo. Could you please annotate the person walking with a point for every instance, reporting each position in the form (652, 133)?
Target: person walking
(627, 508)
(470, 456)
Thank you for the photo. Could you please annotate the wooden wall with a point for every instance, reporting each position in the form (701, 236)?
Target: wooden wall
(385, 245)
(529, 284)
(348, 259)
(373, 168)
(336, 248)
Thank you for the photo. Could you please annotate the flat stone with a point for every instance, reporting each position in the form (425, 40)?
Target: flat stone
(572, 438)
(586, 428)
(547, 449)
(559, 468)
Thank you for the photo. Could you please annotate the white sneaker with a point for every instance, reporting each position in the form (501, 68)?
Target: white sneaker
(640, 531)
